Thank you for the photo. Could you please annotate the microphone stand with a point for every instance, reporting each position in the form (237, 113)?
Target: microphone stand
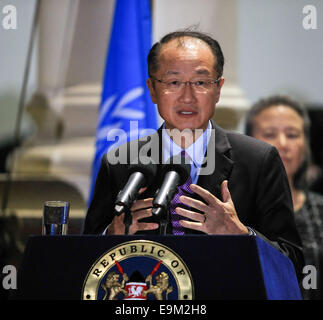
(164, 221)
(163, 227)
(127, 220)
(161, 215)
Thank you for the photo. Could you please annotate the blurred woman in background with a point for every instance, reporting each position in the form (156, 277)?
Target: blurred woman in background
(285, 124)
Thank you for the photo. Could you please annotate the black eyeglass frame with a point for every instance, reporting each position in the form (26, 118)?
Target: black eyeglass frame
(185, 82)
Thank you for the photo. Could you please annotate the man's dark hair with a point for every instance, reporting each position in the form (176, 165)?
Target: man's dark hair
(213, 44)
(277, 100)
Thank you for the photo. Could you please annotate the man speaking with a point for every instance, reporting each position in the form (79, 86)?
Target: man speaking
(236, 185)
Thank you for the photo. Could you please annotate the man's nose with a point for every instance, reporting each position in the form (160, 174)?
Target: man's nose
(187, 93)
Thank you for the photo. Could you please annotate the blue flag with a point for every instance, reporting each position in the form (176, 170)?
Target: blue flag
(125, 102)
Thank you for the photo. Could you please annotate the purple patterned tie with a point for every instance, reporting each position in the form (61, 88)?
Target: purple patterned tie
(181, 190)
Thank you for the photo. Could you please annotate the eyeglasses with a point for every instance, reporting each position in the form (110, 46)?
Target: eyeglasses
(199, 85)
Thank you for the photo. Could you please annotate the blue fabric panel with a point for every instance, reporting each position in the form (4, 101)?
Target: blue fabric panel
(278, 273)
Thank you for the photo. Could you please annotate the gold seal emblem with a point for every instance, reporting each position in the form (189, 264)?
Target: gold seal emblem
(139, 270)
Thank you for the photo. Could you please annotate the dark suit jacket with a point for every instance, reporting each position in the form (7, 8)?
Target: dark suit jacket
(256, 178)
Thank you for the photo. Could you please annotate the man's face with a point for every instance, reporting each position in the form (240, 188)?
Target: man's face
(187, 108)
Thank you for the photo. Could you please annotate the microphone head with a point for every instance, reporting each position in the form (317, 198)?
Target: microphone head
(146, 166)
(181, 165)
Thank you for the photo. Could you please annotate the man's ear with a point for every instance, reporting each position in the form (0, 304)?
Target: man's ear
(218, 89)
(152, 90)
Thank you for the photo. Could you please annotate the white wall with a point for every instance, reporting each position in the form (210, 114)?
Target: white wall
(274, 54)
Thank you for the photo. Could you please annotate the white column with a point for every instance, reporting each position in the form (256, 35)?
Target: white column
(73, 37)
(56, 32)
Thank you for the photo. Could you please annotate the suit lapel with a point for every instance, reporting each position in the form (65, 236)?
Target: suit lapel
(218, 165)
(151, 146)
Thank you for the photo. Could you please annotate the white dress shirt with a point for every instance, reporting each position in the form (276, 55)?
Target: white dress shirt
(195, 151)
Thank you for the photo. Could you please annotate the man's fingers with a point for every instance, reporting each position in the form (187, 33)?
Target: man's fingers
(206, 195)
(140, 226)
(190, 202)
(226, 196)
(190, 214)
(142, 204)
(145, 213)
(117, 225)
(147, 226)
(198, 224)
(142, 190)
(192, 225)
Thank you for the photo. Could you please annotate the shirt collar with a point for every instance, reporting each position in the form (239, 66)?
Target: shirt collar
(195, 151)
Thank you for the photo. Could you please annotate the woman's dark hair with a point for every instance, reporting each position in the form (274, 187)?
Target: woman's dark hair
(213, 44)
(272, 101)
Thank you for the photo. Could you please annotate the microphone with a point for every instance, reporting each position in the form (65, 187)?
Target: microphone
(175, 173)
(141, 174)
